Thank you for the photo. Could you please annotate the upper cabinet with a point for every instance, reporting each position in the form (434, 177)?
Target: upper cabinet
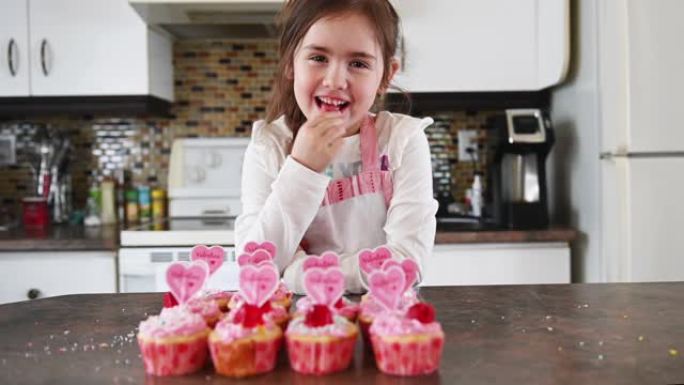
(81, 48)
(483, 45)
(14, 51)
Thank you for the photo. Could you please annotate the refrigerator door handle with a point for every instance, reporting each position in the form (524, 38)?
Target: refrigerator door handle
(641, 154)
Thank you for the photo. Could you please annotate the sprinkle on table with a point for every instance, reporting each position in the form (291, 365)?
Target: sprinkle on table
(673, 352)
(640, 338)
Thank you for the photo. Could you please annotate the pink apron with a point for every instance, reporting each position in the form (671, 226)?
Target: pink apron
(354, 209)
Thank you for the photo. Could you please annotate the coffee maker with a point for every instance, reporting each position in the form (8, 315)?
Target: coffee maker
(520, 141)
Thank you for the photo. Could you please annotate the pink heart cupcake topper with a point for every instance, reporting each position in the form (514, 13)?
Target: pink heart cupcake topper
(186, 279)
(255, 257)
(213, 256)
(269, 247)
(387, 286)
(371, 260)
(324, 286)
(328, 259)
(410, 268)
(258, 283)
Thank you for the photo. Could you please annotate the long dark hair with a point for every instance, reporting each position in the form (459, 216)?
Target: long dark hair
(294, 21)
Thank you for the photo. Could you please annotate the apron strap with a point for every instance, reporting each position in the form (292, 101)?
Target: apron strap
(369, 145)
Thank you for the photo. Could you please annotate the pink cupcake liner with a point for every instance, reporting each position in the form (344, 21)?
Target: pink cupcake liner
(245, 357)
(317, 357)
(408, 358)
(173, 359)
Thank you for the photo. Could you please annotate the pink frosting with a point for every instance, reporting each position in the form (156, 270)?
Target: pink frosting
(277, 313)
(339, 328)
(172, 322)
(349, 309)
(281, 292)
(393, 325)
(207, 308)
(370, 307)
(227, 331)
(218, 294)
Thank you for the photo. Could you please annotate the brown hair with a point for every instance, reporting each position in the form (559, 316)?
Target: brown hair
(295, 19)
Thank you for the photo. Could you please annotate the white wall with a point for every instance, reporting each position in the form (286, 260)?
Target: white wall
(573, 168)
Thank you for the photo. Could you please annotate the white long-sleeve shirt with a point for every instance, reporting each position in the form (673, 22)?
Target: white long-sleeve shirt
(281, 199)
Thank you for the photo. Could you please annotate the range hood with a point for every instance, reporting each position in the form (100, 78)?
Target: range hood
(191, 19)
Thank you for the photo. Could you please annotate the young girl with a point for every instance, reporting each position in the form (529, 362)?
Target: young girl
(322, 172)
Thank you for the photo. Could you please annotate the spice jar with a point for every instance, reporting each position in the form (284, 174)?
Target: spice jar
(158, 205)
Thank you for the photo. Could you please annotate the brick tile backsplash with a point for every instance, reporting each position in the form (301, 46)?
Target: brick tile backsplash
(221, 87)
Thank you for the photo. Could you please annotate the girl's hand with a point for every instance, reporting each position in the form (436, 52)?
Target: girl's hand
(318, 140)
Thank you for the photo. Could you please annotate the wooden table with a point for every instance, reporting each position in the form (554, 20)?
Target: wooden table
(574, 334)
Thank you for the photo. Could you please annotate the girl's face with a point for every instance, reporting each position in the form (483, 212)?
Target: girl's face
(338, 67)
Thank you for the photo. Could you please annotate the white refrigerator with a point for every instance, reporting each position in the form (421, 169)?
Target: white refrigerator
(618, 170)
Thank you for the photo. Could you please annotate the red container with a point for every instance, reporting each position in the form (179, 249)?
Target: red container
(36, 214)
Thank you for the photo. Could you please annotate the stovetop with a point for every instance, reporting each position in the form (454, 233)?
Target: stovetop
(181, 232)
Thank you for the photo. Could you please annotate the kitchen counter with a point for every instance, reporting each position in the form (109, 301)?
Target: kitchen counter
(78, 238)
(575, 334)
(555, 234)
(60, 238)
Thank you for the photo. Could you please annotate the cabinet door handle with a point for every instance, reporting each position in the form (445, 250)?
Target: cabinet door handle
(33, 293)
(44, 52)
(12, 59)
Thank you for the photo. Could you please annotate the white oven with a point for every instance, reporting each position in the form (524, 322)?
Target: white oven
(143, 269)
(204, 199)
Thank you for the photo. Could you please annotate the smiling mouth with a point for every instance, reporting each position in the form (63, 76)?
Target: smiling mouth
(329, 104)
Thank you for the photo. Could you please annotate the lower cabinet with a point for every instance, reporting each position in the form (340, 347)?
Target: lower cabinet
(31, 275)
(497, 264)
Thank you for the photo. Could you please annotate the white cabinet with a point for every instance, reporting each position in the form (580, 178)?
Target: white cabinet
(90, 48)
(483, 45)
(14, 48)
(47, 274)
(497, 264)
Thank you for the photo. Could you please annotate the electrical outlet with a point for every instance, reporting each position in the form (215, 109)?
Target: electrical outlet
(467, 139)
(8, 154)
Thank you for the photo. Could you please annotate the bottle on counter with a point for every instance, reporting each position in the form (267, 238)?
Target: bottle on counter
(93, 204)
(108, 213)
(158, 205)
(145, 204)
(132, 212)
(476, 195)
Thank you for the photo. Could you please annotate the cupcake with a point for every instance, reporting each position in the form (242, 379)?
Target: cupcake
(320, 342)
(380, 260)
(407, 344)
(344, 307)
(174, 342)
(246, 344)
(371, 308)
(209, 309)
(272, 312)
(221, 297)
